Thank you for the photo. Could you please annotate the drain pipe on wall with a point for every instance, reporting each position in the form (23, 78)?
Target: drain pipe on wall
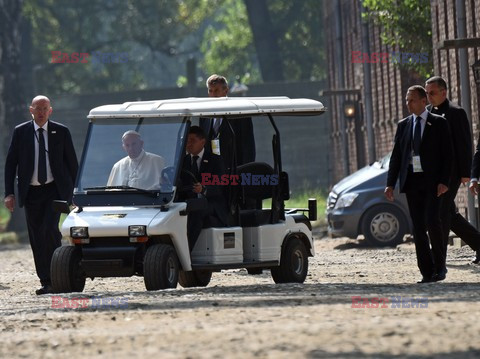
(465, 88)
(341, 84)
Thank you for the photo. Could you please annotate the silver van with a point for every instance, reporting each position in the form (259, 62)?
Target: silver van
(356, 205)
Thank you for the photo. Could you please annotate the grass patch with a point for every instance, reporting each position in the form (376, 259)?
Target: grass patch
(9, 237)
(4, 218)
(299, 199)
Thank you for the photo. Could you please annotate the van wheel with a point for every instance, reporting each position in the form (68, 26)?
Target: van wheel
(65, 270)
(196, 278)
(160, 267)
(293, 263)
(384, 225)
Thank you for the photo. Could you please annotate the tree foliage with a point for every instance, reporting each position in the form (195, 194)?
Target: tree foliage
(12, 106)
(160, 35)
(405, 24)
(228, 43)
(147, 31)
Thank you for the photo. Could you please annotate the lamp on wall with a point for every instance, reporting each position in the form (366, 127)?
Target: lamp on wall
(476, 72)
(350, 109)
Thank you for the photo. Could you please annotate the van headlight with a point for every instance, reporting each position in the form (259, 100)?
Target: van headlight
(346, 200)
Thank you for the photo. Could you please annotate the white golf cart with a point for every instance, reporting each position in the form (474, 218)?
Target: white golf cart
(117, 231)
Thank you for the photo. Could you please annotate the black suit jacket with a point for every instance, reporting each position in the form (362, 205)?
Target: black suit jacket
(476, 162)
(215, 194)
(244, 148)
(21, 160)
(461, 137)
(436, 152)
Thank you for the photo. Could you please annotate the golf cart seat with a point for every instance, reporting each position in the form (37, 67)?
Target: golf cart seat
(252, 194)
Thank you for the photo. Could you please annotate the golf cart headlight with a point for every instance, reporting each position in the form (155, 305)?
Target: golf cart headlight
(346, 200)
(137, 231)
(79, 232)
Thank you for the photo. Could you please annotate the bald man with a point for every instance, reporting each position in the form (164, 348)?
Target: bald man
(42, 157)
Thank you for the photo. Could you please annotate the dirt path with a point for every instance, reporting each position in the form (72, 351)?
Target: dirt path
(242, 316)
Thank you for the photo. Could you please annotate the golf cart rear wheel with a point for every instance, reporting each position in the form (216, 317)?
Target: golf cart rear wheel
(293, 263)
(65, 270)
(160, 267)
(196, 278)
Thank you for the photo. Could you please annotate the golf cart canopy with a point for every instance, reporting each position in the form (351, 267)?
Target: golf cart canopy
(211, 107)
(107, 177)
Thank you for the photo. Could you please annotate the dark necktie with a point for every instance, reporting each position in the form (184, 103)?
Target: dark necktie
(216, 126)
(417, 136)
(195, 166)
(42, 158)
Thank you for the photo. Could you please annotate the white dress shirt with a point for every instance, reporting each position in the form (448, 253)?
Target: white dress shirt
(423, 121)
(199, 159)
(34, 181)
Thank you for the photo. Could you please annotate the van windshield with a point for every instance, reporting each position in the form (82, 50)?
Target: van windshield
(124, 156)
(385, 161)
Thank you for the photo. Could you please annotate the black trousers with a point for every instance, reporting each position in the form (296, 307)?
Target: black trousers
(196, 220)
(452, 220)
(42, 223)
(424, 206)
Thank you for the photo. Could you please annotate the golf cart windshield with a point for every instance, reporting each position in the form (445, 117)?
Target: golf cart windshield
(130, 161)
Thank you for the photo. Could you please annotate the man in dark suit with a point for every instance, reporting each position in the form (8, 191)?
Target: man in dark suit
(42, 156)
(456, 117)
(199, 161)
(422, 160)
(220, 139)
(474, 188)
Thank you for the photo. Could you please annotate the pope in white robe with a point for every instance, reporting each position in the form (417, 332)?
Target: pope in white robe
(139, 169)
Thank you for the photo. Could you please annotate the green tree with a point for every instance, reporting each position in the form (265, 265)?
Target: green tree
(407, 25)
(144, 30)
(230, 46)
(160, 35)
(12, 107)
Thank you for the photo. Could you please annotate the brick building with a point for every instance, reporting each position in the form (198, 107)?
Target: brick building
(380, 87)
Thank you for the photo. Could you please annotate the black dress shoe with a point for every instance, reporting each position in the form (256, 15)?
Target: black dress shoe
(46, 289)
(426, 280)
(439, 276)
(476, 260)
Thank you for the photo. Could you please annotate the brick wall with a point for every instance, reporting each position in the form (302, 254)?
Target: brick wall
(387, 94)
(389, 83)
(446, 62)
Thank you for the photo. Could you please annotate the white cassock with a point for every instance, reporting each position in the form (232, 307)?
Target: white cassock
(141, 172)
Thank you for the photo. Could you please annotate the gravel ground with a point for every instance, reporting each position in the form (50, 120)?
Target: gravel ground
(243, 316)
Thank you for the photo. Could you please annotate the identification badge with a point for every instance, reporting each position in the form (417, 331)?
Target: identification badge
(216, 147)
(417, 165)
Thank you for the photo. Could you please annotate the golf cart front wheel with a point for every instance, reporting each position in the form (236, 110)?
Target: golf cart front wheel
(160, 267)
(65, 270)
